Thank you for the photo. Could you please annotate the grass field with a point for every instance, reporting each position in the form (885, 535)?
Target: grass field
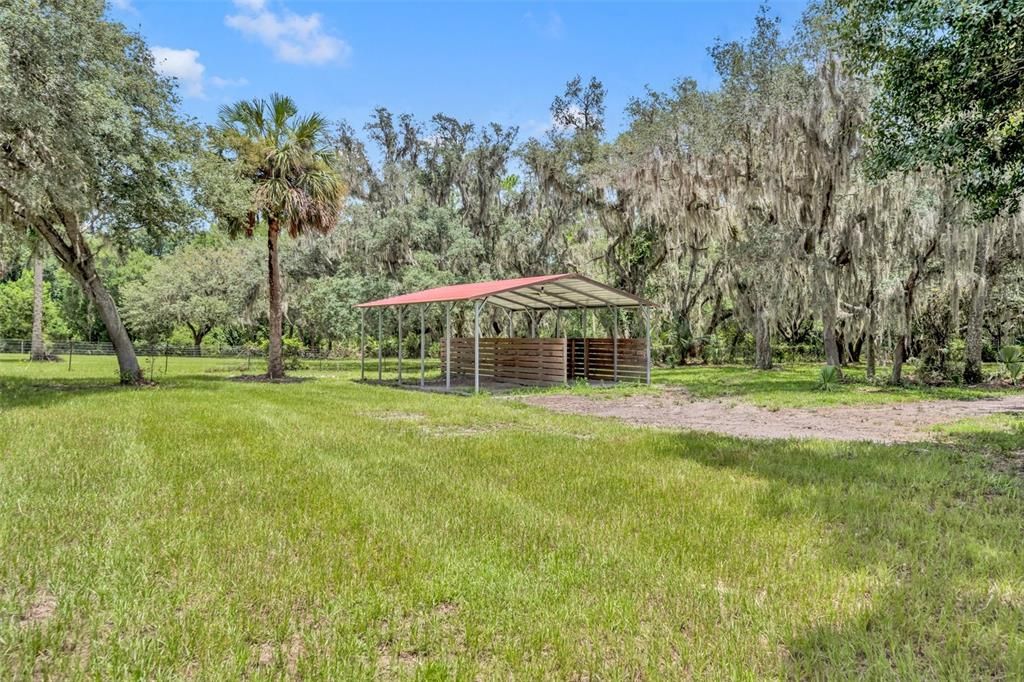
(216, 529)
(795, 385)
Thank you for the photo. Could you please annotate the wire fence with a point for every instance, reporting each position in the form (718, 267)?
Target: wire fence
(72, 347)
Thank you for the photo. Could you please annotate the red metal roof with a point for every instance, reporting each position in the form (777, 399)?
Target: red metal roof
(522, 293)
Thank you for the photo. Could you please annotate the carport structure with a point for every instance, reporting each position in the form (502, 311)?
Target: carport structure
(526, 360)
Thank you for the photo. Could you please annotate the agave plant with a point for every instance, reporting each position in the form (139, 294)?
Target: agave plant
(829, 378)
(1012, 360)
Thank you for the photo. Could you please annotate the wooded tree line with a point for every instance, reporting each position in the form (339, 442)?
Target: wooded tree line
(776, 215)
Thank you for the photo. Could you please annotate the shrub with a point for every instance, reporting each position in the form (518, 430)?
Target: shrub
(828, 378)
(291, 349)
(1011, 358)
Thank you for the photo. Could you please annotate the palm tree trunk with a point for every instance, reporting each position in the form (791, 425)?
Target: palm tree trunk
(38, 345)
(275, 362)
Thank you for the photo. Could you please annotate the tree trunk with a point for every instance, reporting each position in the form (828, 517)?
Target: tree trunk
(198, 334)
(38, 345)
(870, 361)
(972, 350)
(275, 361)
(899, 356)
(762, 339)
(740, 333)
(127, 362)
(909, 287)
(828, 333)
(854, 348)
(902, 350)
(683, 334)
(872, 329)
(75, 256)
(827, 303)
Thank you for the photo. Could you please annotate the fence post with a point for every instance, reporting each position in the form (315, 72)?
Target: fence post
(586, 358)
(71, 352)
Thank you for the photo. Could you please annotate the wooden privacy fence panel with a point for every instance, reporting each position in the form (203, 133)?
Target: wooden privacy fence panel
(535, 362)
(541, 362)
(595, 359)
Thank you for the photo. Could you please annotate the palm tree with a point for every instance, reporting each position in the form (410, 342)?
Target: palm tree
(295, 185)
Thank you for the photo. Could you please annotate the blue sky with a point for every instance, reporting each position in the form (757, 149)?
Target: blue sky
(481, 62)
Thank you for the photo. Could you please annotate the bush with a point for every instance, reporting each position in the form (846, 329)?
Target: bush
(1011, 358)
(828, 378)
(291, 349)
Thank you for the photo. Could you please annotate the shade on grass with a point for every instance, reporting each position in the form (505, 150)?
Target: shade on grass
(214, 528)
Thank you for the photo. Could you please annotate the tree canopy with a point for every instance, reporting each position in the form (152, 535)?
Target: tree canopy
(950, 89)
(847, 193)
(90, 141)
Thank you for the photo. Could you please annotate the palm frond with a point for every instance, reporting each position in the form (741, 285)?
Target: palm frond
(293, 171)
(281, 109)
(310, 130)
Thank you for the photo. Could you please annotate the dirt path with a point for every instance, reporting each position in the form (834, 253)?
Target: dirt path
(676, 409)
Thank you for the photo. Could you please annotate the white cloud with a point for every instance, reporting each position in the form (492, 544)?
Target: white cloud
(124, 6)
(549, 26)
(218, 82)
(183, 65)
(294, 38)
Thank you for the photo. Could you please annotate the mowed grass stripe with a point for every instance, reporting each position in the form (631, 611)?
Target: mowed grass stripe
(212, 528)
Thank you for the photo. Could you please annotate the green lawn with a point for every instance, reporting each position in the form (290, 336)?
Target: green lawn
(216, 529)
(796, 385)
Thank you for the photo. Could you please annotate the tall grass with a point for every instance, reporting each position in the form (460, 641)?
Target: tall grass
(214, 529)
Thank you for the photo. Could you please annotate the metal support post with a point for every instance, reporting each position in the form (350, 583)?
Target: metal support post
(399, 309)
(362, 344)
(647, 332)
(615, 344)
(448, 346)
(477, 305)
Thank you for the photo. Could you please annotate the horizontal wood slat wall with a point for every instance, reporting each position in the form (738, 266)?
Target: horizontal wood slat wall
(595, 359)
(534, 362)
(542, 362)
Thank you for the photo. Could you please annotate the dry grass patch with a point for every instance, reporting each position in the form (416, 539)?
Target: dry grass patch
(40, 611)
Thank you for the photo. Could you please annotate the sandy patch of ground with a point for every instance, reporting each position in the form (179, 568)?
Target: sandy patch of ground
(677, 409)
(266, 655)
(399, 657)
(42, 609)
